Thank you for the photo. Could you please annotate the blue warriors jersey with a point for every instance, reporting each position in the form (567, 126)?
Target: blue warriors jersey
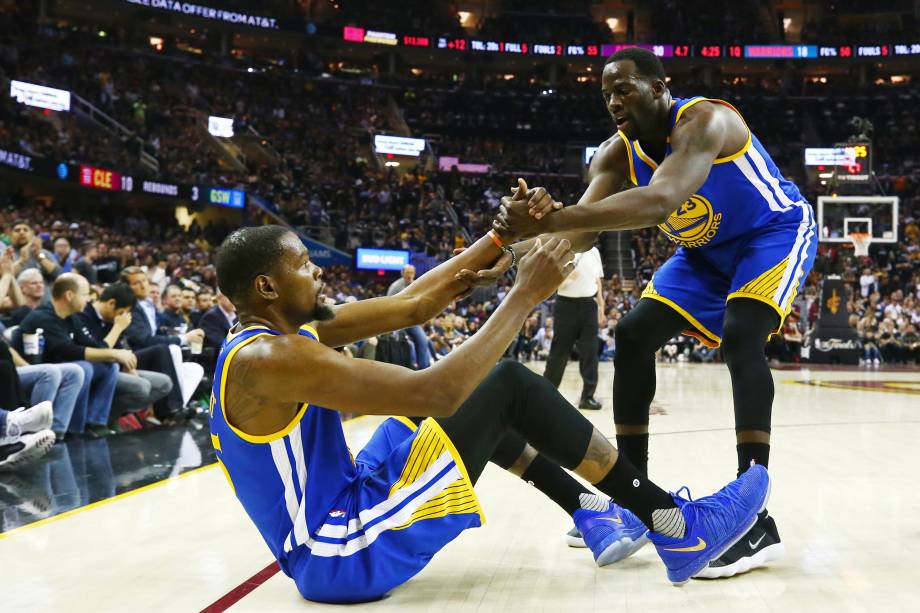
(346, 530)
(747, 232)
(745, 191)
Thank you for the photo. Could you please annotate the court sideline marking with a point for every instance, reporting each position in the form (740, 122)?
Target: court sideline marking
(104, 501)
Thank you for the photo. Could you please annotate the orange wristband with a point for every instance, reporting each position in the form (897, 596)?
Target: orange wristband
(496, 239)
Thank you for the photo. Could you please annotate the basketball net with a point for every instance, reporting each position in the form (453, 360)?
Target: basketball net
(861, 242)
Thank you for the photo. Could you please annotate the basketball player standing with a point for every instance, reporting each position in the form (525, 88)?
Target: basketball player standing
(747, 241)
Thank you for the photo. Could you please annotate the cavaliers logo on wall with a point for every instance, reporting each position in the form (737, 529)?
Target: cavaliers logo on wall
(692, 224)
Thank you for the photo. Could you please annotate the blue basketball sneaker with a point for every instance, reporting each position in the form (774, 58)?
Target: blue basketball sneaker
(714, 524)
(613, 534)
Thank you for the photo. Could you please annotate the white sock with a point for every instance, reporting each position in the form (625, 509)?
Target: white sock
(669, 522)
(593, 502)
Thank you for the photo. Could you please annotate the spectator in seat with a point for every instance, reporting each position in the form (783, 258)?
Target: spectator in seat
(204, 301)
(172, 320)
(543, 339)
(104, 321)
(793, 337)
(867, 329)
(105, 264)
(64, 256)
(191, 314)
(416, 333)
(154, 294)
(84, 265)
(32, 290)
(910, 342)
(217, 322)
(889, 342)
(69, 294)
(59, 384)
(143, 332)
(143, 329)
(11, 297)
(30, 252)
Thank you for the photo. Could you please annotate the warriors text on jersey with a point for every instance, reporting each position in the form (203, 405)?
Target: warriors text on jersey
(747, 232)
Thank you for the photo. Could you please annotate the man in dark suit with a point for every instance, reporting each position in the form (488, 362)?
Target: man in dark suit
(143, 332)
(217, 322)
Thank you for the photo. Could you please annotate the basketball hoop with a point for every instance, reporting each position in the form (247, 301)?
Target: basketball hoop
(861, 242)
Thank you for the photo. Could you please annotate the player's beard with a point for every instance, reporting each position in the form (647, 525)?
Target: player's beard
(322, 312)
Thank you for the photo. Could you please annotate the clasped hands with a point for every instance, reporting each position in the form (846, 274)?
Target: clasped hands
(521, 215)
(524, 214)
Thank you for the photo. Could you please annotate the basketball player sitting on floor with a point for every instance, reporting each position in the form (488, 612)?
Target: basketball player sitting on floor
(350, 530)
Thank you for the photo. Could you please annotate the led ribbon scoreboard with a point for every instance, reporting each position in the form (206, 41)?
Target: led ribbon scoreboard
(109, 180)
(540, 48)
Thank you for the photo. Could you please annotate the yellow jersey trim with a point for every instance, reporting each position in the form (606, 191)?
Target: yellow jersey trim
(227, 475)
(764, 287)
(459, 460)
(699, 336)
(767, 282)
(632, 169)
(692, 102)
(458, 497)
(252, 438)
(233, 335)
(311, 330)
(702, 333)
(738, 154)
(406, 422)
(747, 144)
(645, 158)
(782, 314)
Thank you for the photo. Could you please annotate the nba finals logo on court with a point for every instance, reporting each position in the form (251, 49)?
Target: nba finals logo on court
(692, 224)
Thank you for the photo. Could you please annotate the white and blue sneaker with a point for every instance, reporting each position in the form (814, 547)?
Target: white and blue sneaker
(714, 524)
(611, 535)
(573, 538)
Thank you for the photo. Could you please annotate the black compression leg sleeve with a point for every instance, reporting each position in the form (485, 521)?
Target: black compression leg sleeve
(748, 323)
(513, 398)
(644, 329)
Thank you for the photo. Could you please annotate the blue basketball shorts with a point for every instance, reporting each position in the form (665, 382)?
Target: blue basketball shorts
(412, 496)
(769, 265)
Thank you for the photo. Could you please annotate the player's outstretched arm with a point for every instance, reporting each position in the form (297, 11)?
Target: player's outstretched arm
(423, 299)
(607, 175)
(294, 369)
(695, 143)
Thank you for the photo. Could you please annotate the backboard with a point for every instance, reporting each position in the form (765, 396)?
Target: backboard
(839, 216)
